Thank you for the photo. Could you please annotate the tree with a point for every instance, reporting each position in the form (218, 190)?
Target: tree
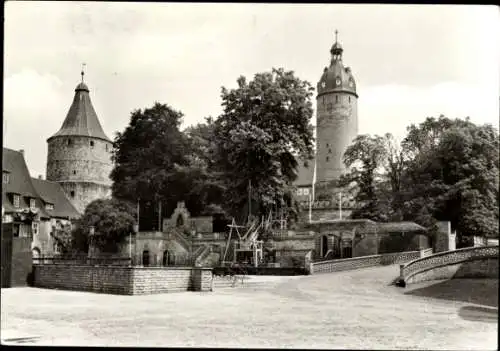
(113, 220)
(366, 158)
(263, 130)
(457, 178)
(148, 156)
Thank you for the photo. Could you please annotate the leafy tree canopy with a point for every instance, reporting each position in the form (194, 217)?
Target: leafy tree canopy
(265, 126)
(113, 220)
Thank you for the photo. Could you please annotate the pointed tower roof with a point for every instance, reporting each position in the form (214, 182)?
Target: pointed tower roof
(82, 119)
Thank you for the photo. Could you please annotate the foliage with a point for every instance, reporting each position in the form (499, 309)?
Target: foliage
(63, 235)
(265, 126)
(443, 170)
(113, 220)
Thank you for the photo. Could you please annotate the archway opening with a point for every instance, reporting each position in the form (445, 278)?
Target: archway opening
(180, 221)
(324, 245)
(145, 258)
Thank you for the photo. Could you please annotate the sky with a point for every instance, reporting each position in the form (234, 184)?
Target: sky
(409, 61)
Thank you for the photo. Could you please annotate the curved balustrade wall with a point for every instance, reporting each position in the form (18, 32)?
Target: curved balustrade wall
(474, 262)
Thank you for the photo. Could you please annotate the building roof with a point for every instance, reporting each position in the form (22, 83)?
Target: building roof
(82, 119)
(305, 173)
(400, 227)
(19, 182)
(53, 193)
(336, 77)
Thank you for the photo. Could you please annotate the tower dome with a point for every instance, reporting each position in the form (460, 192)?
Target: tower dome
(79, 154)
(336, 77)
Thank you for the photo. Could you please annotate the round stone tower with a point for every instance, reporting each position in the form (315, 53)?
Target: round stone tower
(79, 154)
(337, 116)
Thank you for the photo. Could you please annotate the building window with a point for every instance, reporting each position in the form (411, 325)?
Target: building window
(299, 192)
(306, 191)
(72, 193)
(32, 204)
(16, 201)
(92, 143)
(35, 228)
(6, 177)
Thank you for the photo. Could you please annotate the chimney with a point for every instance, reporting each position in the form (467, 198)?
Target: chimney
(22, 152)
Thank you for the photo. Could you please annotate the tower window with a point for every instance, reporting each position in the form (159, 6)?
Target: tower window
(349, 99)
(327, 158)
(72, 193)
(69, 142)
(336, 98)
(327, 145)
(91, 143)
(106, 147)
(32, 204)
(74, 172)
(329, 151)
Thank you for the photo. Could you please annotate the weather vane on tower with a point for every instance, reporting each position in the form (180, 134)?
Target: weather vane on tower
(83, 73)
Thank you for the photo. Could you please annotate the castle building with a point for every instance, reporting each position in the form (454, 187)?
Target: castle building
(79, 154)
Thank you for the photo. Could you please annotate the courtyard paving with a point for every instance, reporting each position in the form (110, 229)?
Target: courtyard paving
(354, 310)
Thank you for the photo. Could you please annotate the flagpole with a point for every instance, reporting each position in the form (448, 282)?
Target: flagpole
(310, 208)
(340, 205)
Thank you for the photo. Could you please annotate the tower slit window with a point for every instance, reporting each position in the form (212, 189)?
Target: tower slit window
(72, 193)
(92, 143)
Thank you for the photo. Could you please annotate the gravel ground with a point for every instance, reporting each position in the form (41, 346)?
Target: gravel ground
(353, 310)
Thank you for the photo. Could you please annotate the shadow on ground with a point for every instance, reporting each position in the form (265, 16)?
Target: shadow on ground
(476, 291)
(479, 314)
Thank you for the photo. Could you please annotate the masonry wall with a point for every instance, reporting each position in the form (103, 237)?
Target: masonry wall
(468, 262)
(80, 167)
(363, 262)
(121, 280)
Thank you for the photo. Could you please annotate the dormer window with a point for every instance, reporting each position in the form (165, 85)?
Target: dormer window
(6, 177)
(15, 199)
(32, 204)
(49, 206)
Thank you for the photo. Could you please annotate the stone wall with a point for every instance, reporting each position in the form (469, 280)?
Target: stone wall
(80, 168)
(121, 280)
(104, 279)
(457, 263)
(362, 262)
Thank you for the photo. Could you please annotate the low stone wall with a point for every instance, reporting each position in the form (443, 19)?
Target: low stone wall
(362, 262)
(121, 280)
(474, 262)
